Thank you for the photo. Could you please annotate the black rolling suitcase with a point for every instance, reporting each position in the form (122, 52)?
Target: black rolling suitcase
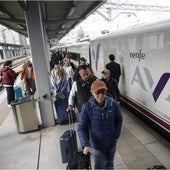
(62, 114)
(79, 161)
(68, 142)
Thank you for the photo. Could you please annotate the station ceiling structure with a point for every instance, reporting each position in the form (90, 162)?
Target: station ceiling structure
(58, 17)
(110, 7)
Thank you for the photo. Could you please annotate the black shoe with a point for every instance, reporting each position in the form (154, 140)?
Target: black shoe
(56, 122)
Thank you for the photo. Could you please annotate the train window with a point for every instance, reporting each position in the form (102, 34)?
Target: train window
(75, 56)
(132, 43)
(153, 41)
(161, 41)
(145, 42)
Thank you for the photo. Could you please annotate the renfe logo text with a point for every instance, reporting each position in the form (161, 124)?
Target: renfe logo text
(139, 55)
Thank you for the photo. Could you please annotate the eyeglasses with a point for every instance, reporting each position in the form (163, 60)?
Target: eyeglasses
(102, 91)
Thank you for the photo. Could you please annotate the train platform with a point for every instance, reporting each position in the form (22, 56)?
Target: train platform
(138, 147)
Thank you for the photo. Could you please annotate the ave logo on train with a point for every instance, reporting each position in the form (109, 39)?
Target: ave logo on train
(137, 77)
(140, 75)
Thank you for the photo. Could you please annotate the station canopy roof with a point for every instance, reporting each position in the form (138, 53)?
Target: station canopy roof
(59, 17)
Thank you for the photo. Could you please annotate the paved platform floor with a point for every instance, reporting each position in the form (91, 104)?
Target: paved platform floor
(138, 146)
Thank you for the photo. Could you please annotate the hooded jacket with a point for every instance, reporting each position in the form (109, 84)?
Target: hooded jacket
(8, 76)
(99, 127)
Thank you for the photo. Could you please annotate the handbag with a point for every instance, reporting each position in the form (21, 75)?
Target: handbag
(59, 95)
(79, 161)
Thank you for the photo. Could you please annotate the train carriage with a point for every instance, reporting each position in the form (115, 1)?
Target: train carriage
(143, 54)
(76, 50)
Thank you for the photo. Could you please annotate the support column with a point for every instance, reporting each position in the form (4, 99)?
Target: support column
(47, 52)
(4, 53)
(38, 45)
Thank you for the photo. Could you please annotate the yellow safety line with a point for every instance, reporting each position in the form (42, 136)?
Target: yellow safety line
(117, 154)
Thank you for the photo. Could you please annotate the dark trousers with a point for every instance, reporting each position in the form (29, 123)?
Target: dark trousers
(10, 94)
(30, 87)
(70, 83)
(104, 160)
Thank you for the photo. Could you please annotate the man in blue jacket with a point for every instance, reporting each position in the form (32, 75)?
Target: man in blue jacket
(99, 126)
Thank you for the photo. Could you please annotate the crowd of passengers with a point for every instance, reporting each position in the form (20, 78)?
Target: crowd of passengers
(73, 82)
(97, 102)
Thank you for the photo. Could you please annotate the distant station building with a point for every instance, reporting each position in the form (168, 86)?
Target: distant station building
(11, 43)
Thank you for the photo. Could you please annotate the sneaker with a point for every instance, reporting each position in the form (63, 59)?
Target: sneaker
(9, 105)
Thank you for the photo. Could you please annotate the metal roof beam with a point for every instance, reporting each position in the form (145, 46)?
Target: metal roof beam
(46, 21)
(43, 7)
(22, 21)
(105, 17)
(5, 11)
(62, 20)
(63, 29)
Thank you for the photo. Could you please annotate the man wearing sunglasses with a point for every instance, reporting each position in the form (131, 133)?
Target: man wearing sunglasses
(99, 126)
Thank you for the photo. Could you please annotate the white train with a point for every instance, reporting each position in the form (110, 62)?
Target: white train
(77, 50)
(144, 55)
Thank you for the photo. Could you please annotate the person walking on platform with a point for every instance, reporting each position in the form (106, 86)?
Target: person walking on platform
(99, 126)
(27, 75)
(82, 61)
(69, 70)
(60, 82)
(114, 68)
(111, 84)
(55, 57)
(68, 59)
(8, 78)
(61, 92)
(80, 91)
(57, 65)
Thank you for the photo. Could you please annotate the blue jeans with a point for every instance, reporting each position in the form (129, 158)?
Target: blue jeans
(10, 94)
(104, 160)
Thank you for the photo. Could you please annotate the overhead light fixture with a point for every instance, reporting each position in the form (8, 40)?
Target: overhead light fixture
(71, 11)
(1, 13)
(20, 26)
(63, 26)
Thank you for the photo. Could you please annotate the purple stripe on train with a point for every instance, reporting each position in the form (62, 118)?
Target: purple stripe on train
(160, 86)
(97, 56)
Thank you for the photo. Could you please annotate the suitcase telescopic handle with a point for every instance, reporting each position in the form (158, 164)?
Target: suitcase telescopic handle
(71, 122)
